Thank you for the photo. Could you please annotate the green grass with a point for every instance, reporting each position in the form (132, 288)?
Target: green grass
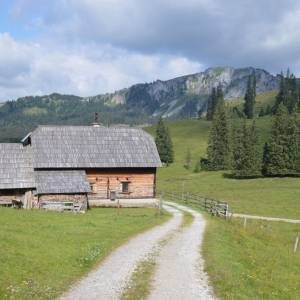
(256, 262)
(140, 283)
(277, 197)
(261, 101)
(42, 253)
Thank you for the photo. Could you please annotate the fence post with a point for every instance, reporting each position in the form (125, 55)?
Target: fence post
(226, 210)
(245, 222)
(296, 244)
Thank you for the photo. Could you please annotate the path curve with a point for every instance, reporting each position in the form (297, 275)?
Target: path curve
(111, 277)
(180, 266)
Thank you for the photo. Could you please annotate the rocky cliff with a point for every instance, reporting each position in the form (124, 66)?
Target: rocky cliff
(183, 96)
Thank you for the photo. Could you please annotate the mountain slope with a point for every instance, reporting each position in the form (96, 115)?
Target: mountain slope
(176, 98)
(183, 96)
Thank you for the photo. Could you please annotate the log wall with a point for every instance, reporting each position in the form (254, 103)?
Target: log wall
(141, 182)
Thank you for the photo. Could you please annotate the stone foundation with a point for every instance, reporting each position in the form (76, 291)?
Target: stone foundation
(76, 198)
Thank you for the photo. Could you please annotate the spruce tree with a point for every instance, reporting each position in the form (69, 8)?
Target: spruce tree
(261, 112)
(164, 143)
(292, 144)
(288, 93)
(250, 98)
(246, 155)
(169, 144)
(237, 150)
(218, 151)
(252, 151)
(276, 161)
(266, 159)
(211, 104)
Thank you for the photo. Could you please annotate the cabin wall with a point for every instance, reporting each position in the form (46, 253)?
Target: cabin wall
(141, 182)
(10, 195)
(19, 195)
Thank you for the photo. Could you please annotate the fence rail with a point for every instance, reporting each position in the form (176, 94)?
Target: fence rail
(213, 206)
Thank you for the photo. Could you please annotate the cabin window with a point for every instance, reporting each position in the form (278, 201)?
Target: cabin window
(93, 187)
(125, 187)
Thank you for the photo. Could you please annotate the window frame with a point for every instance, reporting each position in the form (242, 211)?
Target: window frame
(125, 184)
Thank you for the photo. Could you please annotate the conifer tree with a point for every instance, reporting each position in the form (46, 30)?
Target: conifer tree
(292, 144)
(276, 160)
(266, 159)
(261, 112)
(247, 162)
(211, 104)
(250, 97)
(218, 151)
(288, 93)
(219, 98)
(164, 143)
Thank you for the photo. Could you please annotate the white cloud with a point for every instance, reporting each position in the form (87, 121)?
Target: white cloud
(87, 47)
(285, 33)
(28, 68)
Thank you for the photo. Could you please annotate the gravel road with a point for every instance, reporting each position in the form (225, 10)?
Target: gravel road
(111, 277)
(179, 274)
(179, 270)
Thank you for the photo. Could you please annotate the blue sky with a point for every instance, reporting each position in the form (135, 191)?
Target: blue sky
(87, 47)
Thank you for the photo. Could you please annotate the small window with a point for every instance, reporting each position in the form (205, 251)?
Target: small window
(125, 187)
(93, 188)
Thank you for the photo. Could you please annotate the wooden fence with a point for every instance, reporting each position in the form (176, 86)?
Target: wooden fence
(213, 206)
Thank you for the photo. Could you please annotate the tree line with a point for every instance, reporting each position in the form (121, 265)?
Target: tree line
(236, 145)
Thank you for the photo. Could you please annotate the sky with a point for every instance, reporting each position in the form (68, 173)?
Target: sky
(90, 47)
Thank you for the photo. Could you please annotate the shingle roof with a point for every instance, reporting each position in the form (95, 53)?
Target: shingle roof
(16, 170)
(61, 182)
(93, 147)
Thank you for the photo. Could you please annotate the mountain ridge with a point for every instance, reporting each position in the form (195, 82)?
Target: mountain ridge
(178, 98)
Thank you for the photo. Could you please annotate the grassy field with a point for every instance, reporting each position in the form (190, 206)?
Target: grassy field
(262, 101)
(42, 253)
(256, 262)
(278, 197)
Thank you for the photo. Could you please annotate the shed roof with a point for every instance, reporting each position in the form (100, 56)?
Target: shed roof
(16, 169)
(61, 182)
(93, 147)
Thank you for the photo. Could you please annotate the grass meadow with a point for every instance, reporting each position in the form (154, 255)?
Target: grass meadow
(276, 197)
(43, 253)
(252, 262)
(256, 262)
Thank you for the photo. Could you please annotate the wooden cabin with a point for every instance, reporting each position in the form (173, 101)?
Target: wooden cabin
(73, 164)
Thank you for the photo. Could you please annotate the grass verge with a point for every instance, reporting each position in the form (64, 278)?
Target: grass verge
(140, 282)
(42, 253)
(256, 262)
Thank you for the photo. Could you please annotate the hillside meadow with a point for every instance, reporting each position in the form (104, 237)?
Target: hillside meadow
(276, 197)
(255, 261)
(43, 253)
